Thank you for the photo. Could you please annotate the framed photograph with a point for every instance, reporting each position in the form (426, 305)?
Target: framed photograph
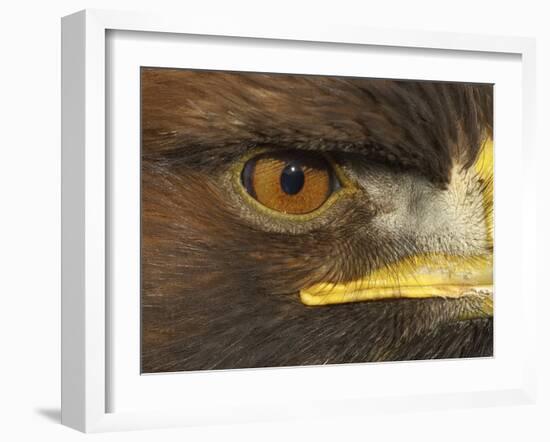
(268, 222)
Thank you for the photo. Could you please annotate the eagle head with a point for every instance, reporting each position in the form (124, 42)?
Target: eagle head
(296, 220)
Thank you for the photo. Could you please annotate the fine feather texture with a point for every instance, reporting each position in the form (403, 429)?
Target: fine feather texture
(208, 116)
(219, 286)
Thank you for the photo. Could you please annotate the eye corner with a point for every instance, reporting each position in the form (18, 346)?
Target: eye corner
(335, 179)
(247, 175)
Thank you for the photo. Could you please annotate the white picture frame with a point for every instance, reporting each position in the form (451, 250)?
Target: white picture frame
(87, 356)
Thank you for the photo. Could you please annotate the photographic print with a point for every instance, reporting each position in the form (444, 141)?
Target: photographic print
(294, 220)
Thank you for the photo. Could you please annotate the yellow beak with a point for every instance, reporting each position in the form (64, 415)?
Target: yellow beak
(425, 276)
(418, 277)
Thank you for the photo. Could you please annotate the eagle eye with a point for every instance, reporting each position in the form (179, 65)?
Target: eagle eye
(291, 182)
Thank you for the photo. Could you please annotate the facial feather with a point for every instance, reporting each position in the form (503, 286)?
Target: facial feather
(204, 116)
(210, 281)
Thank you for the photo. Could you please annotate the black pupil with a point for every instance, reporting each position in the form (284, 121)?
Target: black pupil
(292, 179)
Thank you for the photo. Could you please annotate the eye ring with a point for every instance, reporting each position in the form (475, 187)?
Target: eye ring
(290, 183)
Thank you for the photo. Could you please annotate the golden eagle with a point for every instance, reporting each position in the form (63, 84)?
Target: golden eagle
(300, 219)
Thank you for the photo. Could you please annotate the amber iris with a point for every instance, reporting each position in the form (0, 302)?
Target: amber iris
(289, 182)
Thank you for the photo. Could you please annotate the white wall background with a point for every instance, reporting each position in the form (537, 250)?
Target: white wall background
(30, 215)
